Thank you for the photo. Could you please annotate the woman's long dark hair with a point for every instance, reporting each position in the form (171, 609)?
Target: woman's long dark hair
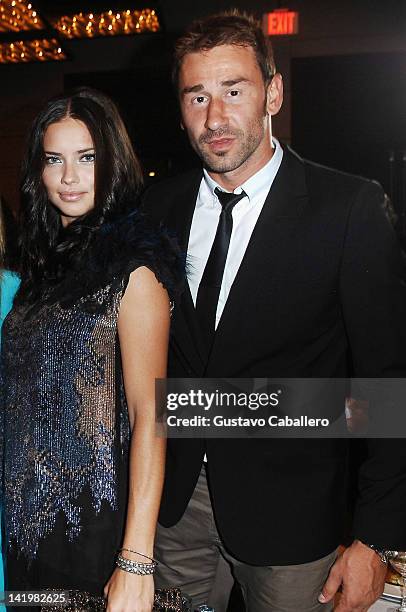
(46, 248)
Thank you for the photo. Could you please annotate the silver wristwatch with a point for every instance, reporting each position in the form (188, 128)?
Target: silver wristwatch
(384, 555)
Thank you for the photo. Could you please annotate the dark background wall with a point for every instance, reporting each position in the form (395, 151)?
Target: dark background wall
(361, 100)
(344, 76)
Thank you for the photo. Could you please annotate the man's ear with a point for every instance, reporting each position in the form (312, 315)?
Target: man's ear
(274, 94)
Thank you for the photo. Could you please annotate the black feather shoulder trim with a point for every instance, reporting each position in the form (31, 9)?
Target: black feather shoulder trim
(119, 248)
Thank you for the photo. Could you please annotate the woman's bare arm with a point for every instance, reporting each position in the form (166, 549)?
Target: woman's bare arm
(143, 328)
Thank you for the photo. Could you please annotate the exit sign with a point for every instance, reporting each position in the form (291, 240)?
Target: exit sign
(281, 22)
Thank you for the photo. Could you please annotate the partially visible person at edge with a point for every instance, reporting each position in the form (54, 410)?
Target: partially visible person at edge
(9, 283)
(9, 280)
(82, 347)
(294, 272)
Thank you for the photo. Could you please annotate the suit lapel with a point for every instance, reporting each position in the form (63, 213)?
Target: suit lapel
(185, 321)
(280, 214)
(184, 200)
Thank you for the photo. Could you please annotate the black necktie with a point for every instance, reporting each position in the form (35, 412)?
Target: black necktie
(209, 288)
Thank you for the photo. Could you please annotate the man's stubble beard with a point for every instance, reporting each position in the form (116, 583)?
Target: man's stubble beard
(248, 141)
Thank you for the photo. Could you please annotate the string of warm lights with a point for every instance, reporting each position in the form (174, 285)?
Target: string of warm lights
(31, 51)
(19, 15)
(109, 23)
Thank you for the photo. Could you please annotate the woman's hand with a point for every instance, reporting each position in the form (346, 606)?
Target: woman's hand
(127, 592)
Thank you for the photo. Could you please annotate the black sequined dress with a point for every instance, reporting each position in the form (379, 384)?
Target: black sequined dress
(66, 427)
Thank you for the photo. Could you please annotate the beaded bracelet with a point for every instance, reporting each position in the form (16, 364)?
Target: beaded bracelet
(135, 567)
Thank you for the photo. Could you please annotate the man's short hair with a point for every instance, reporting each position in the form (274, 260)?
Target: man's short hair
(227, 28)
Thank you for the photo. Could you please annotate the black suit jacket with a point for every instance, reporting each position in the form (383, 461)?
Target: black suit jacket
(320, 293)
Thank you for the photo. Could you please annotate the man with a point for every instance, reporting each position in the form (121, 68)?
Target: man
(307, 284)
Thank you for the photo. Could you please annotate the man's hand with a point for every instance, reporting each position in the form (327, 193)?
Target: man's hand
(361, 574)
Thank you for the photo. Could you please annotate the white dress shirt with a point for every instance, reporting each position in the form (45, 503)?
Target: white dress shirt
(245, 215)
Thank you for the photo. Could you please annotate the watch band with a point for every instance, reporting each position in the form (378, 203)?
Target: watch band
(384, 555)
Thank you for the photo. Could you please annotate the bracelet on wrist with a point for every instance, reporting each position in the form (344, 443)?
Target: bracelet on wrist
(135, 552)
(135, 567)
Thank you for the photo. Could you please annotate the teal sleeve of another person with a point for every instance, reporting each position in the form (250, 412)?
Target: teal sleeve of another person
(8, 287)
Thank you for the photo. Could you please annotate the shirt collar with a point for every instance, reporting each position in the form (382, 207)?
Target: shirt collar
(257, 182)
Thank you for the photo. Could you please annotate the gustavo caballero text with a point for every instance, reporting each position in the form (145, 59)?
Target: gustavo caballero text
(222, 421)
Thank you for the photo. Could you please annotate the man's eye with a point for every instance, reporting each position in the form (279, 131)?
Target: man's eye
(52, 159)
(234, 93)
(88, 157)
(199, 100)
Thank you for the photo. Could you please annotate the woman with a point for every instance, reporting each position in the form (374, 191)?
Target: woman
(9, 282)
(81, 351)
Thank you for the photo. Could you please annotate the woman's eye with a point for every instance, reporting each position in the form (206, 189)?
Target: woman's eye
(52, 159)
(88, 157)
